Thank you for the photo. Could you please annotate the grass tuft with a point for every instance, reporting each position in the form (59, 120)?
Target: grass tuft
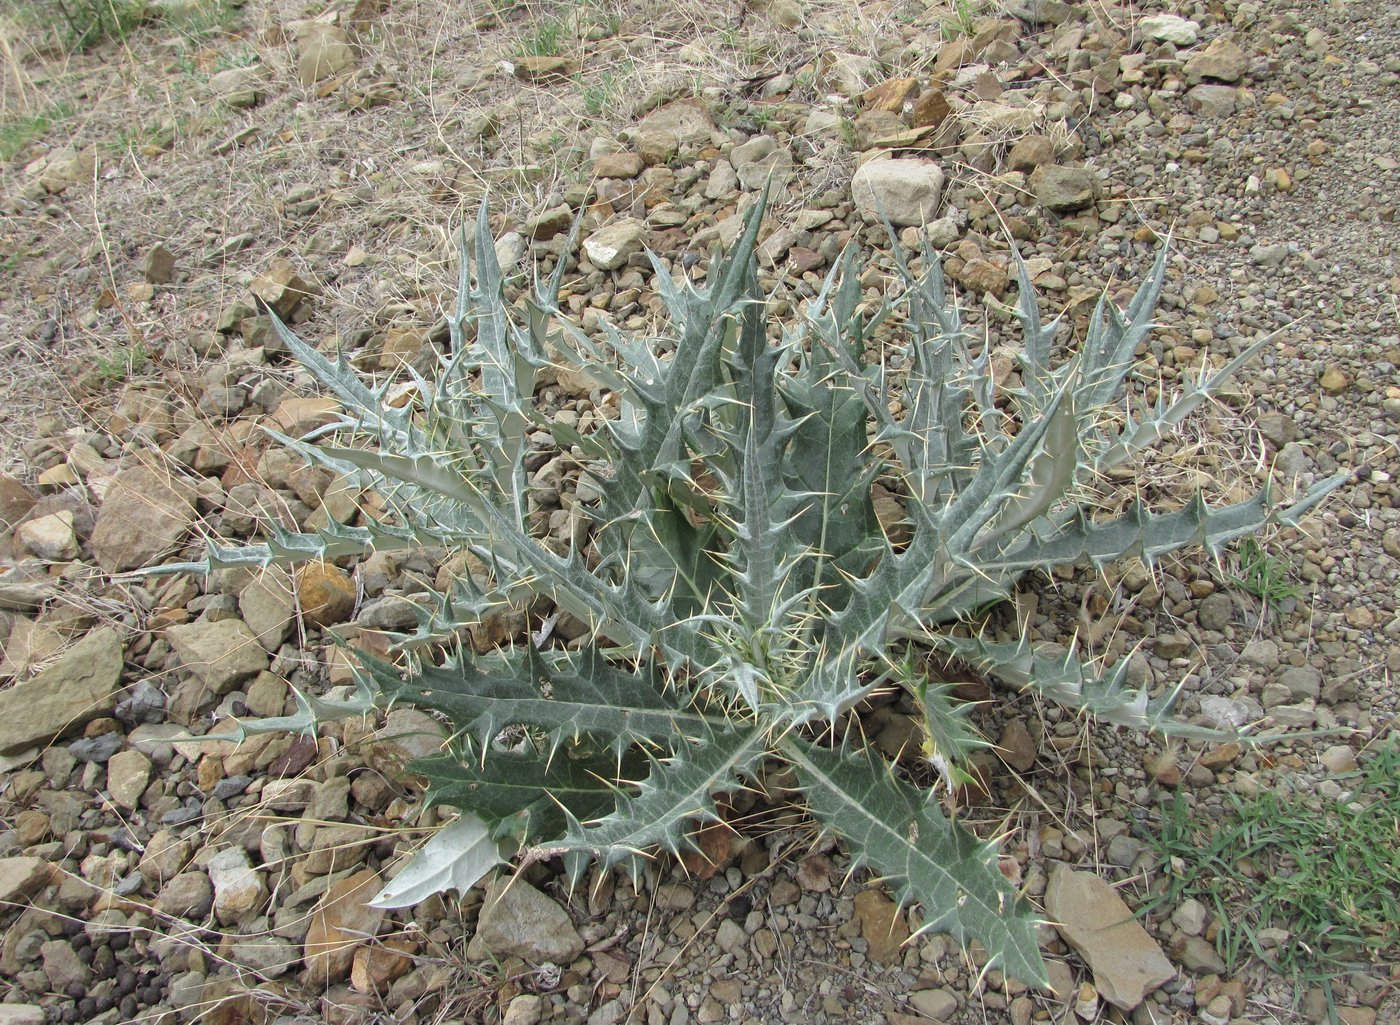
(1321, 873)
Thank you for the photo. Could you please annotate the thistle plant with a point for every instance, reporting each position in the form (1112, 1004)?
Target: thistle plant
(740, 594)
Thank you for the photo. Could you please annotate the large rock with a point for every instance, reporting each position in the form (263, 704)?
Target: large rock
(322, 51)
(1064, 188)
(1222, 61)
(905, 191)
(663, 133)
(223, 654)
(1127, 963)
(239, 888)
(1169, 28)
(20, 878)
(144, 514)
(15, 501)
(342, 923)
(267, 606)
(517, 919)
(609, 247)
(81, 686)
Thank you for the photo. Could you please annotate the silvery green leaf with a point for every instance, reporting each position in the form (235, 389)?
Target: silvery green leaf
(455, 858)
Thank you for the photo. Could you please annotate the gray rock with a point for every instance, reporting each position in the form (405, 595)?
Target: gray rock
(322, 51)
(1197, 955)
(1212, 100)
(21, 878)
(50, 537)
(526, 1009)
(665, 132)
(1291, 461)
(271, 957)
(1301, 682)
(723, 181)
(609, 247)
(21, 1014)
(1190, 917)
(267, 607)
(905, 191)
(1215, 612)
(1222, 61)
(1169, 28)
(144, 514)
(128, 774)
(222, 654)
(62, 966)
(1063, 189)
(96, 749)
(189, 895)
(938, 1004)
(143, 703)
(81, 686)
(517, 919)
(730, 936)
(1042, 12)
(238, 887)
(1127, 963)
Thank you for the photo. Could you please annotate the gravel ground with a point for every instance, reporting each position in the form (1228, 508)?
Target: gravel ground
(148, 187)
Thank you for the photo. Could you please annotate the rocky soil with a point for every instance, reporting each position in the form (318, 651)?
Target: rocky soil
(152, 189)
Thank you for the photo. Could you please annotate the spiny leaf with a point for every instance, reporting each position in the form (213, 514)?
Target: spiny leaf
(920, 855)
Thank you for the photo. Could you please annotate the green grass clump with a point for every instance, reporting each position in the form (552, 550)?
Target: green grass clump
(1325, 872)
(1264, 576)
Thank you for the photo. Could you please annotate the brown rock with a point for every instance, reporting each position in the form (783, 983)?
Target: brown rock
(1030, 152)
(342, 923)
(882, 925)
(374, 968)
(1127, 963)
(545, 70)
(664, 132)
(144, 514)
(281, 287)
(326, 594)
(930, 110)
(1222, 60)
(891, 95)
(1017, 747)
(322, 51)
(619, 165)
(15, 501)
(81, 686)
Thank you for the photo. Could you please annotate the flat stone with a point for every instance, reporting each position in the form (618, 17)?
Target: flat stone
(1063, 189)
(21, 1014)
(518, 920)
(50, 537)
(609, 247)
(322, 51)
(938, 1004)
(1212, 100)
(343, 922)
(238, 887)
(21, 878)
(906, 191)
(81, 686)
(222, 654)
(128, 774)
(1222, 61)
(1127, 963)
(158, 265)
(619, 165)
(267, 607)
(665, 131)
(882, 926)
(1169, 28)
(144, 514)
